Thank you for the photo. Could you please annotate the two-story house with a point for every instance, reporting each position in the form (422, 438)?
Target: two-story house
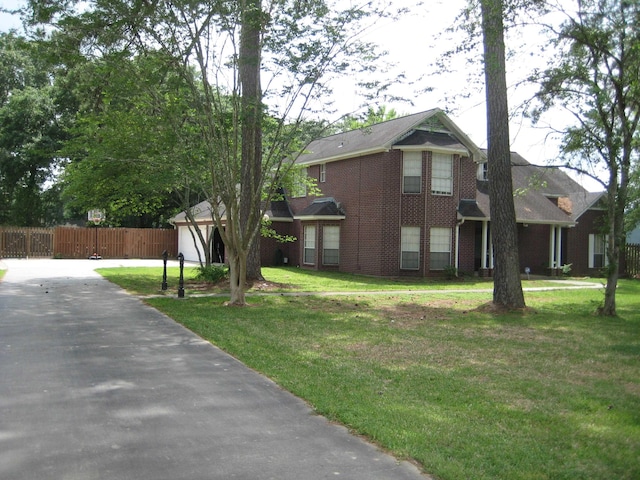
(409, 197)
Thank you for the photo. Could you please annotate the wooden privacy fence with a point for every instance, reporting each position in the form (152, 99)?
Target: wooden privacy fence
(632, 259)
(26, 242)
(70, 242)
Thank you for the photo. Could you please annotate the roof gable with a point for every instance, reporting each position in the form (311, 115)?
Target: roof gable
(430, 129)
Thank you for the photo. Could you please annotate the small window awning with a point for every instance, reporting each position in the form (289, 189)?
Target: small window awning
(322, 209)
(469, 210)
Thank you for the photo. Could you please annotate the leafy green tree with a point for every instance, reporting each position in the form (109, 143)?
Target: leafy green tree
(30, 134)
(236, 48)
(371, 117)
(595, 78)
(125, 157)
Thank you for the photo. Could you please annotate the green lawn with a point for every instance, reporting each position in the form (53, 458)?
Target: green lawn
(552, 393)
(147, 281)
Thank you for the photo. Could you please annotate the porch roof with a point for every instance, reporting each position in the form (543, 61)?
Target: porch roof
(542, 194)
(322, 209)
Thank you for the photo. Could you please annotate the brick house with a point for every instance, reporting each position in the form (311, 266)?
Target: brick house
(409, 197)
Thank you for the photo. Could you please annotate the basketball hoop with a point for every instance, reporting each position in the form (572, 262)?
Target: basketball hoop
(96, 216)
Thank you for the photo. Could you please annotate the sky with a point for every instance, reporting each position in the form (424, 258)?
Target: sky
(415, 43)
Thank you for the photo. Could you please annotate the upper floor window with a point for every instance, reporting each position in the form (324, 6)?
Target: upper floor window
(330, 245)
(483, 171)
(299, 187)
(411, 172)
(323, 172)
(441, 174)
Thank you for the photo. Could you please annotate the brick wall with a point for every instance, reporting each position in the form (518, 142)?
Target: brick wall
(578, 242)
(369, 191)
(533, 248)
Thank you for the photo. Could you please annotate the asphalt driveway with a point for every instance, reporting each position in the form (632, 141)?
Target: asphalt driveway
(94, 384)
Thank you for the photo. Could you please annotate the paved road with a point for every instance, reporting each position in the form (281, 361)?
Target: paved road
(96, 385)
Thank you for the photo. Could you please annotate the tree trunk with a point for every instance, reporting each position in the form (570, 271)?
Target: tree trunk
(237, 275)
(616, 200)
(251, 128)
(507, 290)
(254, 272)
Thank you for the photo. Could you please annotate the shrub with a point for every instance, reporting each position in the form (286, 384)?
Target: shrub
(212, 273)
(450, 272)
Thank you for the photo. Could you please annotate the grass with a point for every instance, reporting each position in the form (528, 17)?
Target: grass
(552, 393)
(147, 281)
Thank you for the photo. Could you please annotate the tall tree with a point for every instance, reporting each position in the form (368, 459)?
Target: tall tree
(133, 122)
(296, 47)
(30, 133)
(371, 117)
(595, 78)
(507, 291)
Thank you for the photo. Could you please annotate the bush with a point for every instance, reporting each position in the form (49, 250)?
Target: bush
(212, 273)
(450, 272)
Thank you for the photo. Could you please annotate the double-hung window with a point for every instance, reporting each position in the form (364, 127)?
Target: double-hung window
(330, 245)
(441, 174)
(410, 248)
(323, 172)
(309, 245)
(299, 187)
(597, 251)
(440, 248)
(411, 172)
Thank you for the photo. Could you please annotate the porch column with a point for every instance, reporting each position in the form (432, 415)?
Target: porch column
(483, 248)
(490, 250)
(552, 246)
(558, 247)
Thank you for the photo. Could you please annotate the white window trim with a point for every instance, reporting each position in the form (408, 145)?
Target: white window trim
(437, 158)
(405, 233)
(323, 172)
(330, 241)
(309, 243)
(432, 243)
(592, 249)
(412, 159)
(299, 188)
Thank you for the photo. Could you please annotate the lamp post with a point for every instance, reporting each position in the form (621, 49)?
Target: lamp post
(165, 255)
(181, 281)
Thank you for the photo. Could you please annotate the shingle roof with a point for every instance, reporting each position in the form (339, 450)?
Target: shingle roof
(383, 136)
(536, 191)
(322, 207)
(279, 208)
(201, 212)
(470, 209)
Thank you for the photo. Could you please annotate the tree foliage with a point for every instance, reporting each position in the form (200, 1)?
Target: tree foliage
(240, 61)
(31, 129)
(595, 78)
(133, 152)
